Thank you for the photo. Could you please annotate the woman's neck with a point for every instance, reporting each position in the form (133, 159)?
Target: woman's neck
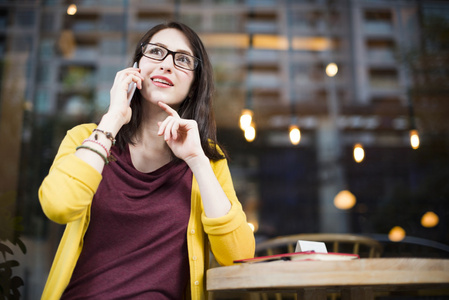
(147, 134)
(150, 150)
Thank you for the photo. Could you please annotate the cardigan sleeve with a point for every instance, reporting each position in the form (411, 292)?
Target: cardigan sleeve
(67, 191)
(230, 236)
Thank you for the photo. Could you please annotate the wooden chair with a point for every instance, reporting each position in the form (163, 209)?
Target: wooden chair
(335, 242)
(340, 243)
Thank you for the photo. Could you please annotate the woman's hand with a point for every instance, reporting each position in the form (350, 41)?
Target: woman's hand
(119, 106)
(181, 135)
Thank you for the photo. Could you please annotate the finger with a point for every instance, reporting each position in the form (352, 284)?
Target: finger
(130, 78)
(168, 109)
(175, 129)
(165, 127)
(162, 126)
(170, 129)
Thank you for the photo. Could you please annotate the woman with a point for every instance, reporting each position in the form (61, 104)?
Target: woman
(145, 192)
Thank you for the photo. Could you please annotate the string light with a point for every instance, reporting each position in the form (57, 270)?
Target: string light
(344, 200)
(359, 153)
(414, 139)
(246, 118)
(430, 219)
(396, 234)
(250, 133)
(331, 69)
(295, 134)
(72, 9)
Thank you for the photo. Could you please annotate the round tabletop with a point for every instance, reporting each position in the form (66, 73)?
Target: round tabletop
(373, 273)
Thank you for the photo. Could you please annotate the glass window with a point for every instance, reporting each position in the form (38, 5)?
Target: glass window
(193, 19)
(107, 72)
(378, 22)
(102, 101)
(47, 21)
(384, 79)
(112, 47)
(42, 103)
(112, 22)
(392, 77)
(2, 47)
(25, 18)
(3, 19)
(226, 22)
(77, 76)
(43, 74)
(21, 43)
(380, 51)
(46, 48)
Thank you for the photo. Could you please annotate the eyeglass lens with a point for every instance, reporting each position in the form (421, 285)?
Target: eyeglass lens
(181, 60)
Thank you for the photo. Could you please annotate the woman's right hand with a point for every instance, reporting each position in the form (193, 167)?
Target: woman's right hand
(119, 106)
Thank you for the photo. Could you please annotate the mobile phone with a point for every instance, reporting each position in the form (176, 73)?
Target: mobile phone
(132, 87)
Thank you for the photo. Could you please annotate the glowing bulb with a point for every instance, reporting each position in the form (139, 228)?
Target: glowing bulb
(246, 118)
(396, 234)
(250, 133)
(331, 69)
(430, 219)
(295, 134)
(359, 153)
(72, 9)
(344, 200)
(251, 225)
(414, 139)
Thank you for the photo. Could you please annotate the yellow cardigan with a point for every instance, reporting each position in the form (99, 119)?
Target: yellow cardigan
(66, 195)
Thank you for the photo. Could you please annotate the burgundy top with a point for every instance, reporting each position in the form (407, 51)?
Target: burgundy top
(136, 244)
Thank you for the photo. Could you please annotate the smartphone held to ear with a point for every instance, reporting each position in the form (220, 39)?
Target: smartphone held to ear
(131, 87)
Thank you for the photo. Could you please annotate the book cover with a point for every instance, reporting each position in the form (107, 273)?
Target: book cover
(308, 255)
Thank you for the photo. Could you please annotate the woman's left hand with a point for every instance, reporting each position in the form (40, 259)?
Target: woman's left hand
(181, 135)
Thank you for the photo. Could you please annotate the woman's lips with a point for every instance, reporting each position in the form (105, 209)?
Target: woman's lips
(161, 81)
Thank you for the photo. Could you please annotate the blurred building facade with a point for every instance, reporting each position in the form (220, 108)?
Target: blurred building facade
(268, 56)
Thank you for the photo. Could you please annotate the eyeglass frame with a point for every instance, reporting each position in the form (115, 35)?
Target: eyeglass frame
(197, 61)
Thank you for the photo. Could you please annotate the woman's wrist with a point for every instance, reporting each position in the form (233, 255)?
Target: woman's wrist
(111, 123)
(197, 162)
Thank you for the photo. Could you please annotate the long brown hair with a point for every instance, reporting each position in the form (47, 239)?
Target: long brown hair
(197, 106)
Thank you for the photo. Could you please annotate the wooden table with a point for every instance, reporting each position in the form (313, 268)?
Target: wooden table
(355, 279)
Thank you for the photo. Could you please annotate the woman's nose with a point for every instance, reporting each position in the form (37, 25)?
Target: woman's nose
(167, 64)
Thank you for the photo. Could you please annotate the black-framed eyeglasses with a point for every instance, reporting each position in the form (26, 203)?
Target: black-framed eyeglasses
(180, 59)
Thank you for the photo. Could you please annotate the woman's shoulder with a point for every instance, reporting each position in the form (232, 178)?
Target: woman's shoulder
(82, 129)
(87, 127)
(80, 132)
(217, 152)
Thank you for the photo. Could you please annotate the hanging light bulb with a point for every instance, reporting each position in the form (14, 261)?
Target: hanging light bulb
(414, 139)
(430, 219)
(295, 134)
(72, 9)
(344, 200)
(331, 69)
(250, 132)
(359, 153)
(396, 234)
(246, 118)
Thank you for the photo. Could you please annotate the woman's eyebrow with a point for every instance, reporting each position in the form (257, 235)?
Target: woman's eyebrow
(179, 50)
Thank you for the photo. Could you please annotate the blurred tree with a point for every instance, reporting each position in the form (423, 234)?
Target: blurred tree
(10, 228)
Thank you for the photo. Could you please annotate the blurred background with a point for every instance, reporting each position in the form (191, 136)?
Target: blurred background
(346, 107)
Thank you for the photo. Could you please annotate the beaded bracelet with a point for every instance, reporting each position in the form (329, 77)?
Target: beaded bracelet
(108, 152)
(107, 134)
(106, 161)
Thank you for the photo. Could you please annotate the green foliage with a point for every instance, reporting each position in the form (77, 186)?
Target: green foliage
(10, 228)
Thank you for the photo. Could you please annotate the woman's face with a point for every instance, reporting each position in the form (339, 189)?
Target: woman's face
(163, 80)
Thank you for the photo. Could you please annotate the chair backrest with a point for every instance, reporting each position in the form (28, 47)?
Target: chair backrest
(335, 242)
